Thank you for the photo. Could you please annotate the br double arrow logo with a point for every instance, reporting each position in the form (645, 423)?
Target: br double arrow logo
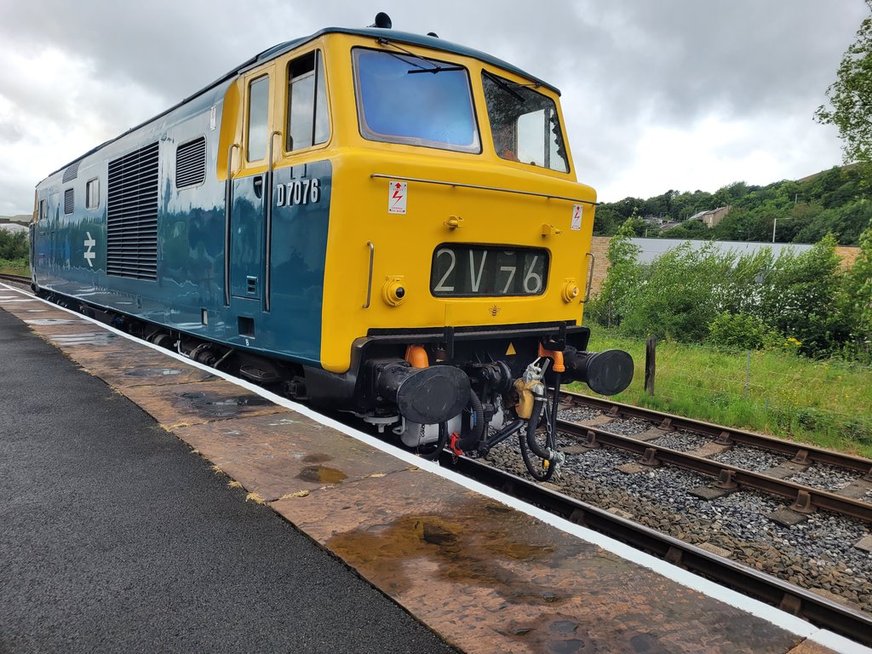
(89, 253)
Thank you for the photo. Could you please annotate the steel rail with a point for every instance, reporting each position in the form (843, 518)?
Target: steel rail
(20, 279)
(737, 436)
(743, 478)
(817, 609)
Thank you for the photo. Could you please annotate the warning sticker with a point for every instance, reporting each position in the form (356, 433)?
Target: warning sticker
(576, 217)
(397, 194)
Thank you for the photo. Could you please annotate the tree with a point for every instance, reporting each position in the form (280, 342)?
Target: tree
(850, 96)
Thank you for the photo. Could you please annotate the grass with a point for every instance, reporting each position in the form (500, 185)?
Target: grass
(825, 403)
(14, 267)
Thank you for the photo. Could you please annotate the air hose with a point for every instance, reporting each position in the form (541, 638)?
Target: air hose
(433, 454)
(469, 441)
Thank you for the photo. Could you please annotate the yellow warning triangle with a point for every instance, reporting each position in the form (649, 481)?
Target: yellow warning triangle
(511, 350)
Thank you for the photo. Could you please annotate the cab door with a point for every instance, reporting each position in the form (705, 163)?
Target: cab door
(251, 189)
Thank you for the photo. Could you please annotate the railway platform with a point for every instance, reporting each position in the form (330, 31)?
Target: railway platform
(117, 533)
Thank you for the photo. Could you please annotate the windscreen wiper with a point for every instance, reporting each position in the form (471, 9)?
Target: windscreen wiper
(437, 69)
(503, 84)
(420, 69)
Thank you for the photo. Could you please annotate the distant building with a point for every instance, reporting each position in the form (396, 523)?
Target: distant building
(712, 217)
(23, 219)
(660, 222)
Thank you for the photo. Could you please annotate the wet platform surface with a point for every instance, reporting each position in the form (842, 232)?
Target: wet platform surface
(485, 577)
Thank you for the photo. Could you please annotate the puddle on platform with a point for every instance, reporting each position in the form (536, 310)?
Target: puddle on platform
(55, 321)
(217, 405)
(88, 338)
(555, 634)
(321, 474)
(152, 372)
(492, 555)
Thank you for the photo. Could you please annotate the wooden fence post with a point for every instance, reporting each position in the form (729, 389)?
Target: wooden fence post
(650, 363)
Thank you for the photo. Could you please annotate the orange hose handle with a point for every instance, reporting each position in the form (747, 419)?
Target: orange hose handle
(417, 357)
(557, 357)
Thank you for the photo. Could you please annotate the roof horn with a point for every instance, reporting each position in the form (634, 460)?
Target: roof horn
(382, 20)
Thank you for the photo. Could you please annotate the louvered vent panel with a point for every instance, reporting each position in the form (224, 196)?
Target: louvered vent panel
(191, 163)
(131, 233)
(71, 172)
(69, 201)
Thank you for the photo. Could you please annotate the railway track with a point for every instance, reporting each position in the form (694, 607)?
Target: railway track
(703, 451)
(815, 608)
(17, 279)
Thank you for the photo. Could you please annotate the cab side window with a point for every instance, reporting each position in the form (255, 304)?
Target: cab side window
(92, 194)
(308, 120)
(258, 118)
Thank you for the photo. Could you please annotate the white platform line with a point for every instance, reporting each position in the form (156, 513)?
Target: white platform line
(782, 619)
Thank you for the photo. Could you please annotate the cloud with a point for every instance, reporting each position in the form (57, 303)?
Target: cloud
(646, 86)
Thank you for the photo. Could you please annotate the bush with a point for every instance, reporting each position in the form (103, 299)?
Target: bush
(741, 331)
(803, 302)
(800, 298)
(13, 245)
(622, 282)
(677, 299)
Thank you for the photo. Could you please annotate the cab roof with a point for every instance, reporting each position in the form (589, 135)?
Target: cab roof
(392, 36)
(386, 36)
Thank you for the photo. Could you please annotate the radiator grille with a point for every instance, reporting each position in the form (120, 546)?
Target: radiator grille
(131, 231)
(191, 163)
(69, 201)
(71, 172)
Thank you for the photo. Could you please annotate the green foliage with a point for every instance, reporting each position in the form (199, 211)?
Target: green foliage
(676, 299)
(620, 284)
(837, 201)
(769, 390)
(855, 302)
(741, 331)
(13, 245)
(795, 302)
(850, 96)
(693, 229)
(15, 267)
(845, 223)
(799, 298)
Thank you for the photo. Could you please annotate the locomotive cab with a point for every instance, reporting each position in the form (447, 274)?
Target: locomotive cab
(458, 242)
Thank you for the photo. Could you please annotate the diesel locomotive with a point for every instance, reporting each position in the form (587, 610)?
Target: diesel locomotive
(375, 222)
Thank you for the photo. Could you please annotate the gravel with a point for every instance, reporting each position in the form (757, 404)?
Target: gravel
(627, 426)
(578, 413)
(817, 554)
(681, 441)
(825, 477)
(749, 458)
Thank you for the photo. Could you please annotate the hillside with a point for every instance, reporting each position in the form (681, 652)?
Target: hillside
(838, 200)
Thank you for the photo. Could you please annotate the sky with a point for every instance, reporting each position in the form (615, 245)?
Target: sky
(657, 95)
